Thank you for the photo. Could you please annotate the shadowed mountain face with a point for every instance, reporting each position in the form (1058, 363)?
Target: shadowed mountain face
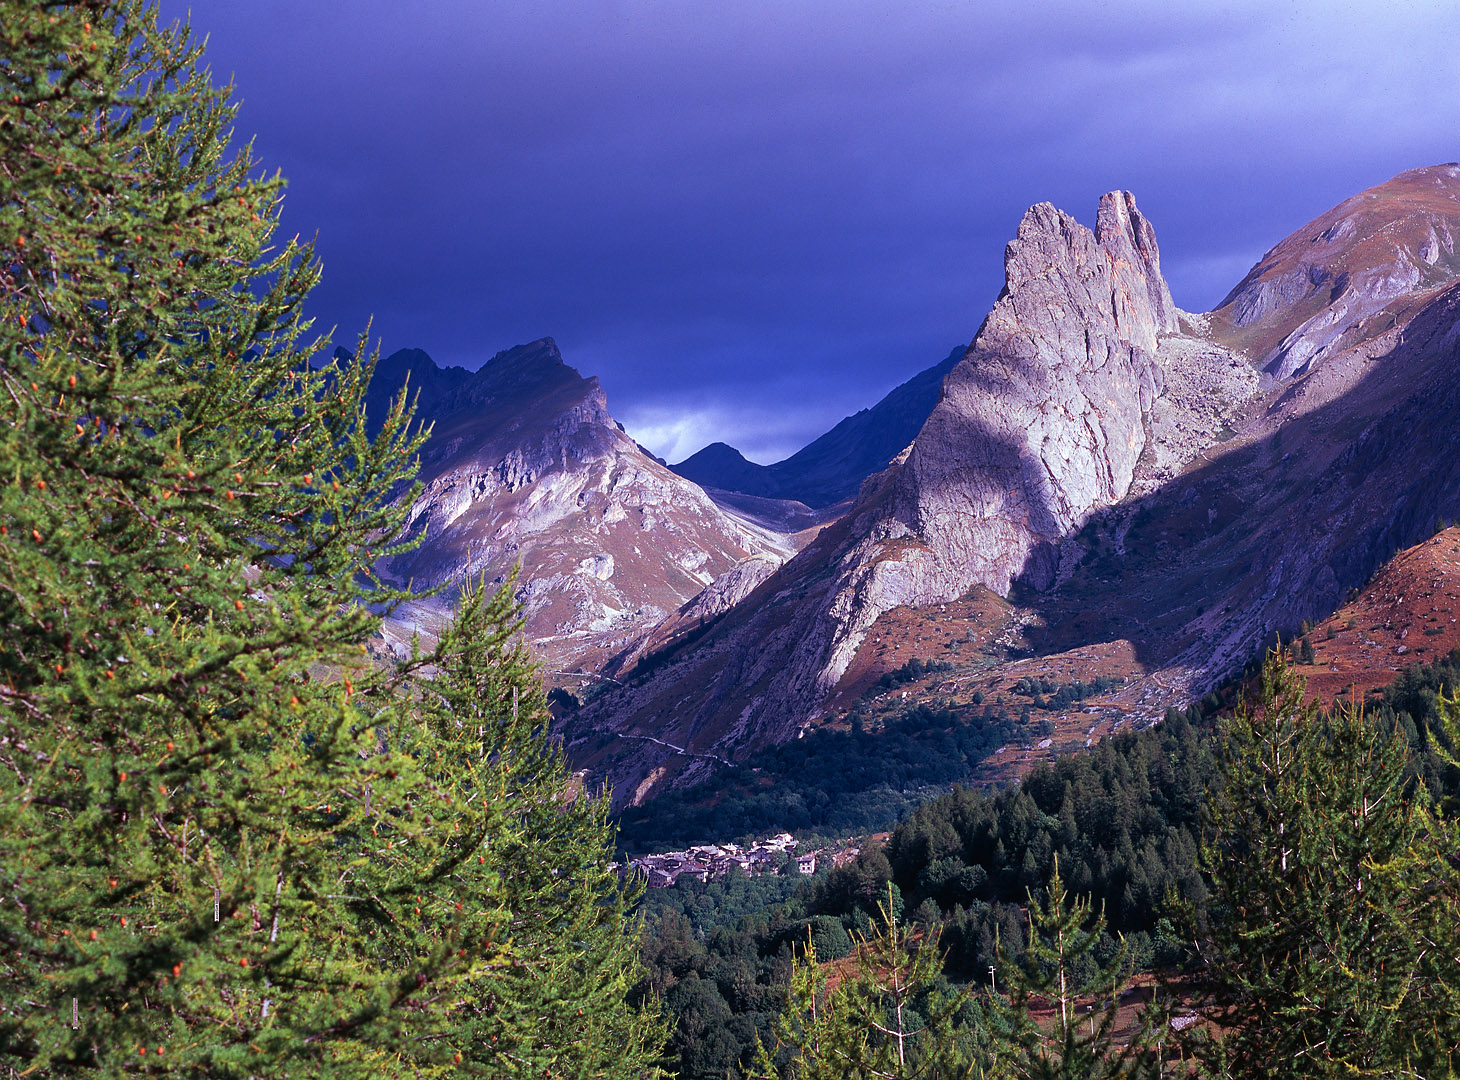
(430, 387)
(526, 466)
(1116, 469)
(832, 468)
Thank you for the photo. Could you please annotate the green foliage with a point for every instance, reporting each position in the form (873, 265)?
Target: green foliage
(1048, 694)
(859, 884)
(1122, 818)
(709, 905)
(549, 993)
(232, 847)
(1126, 817)
(722, 984)
(732, 941)
(1330, 940)
(911, 671)
(1415, 704)
(894, 1016)
(1060, 968)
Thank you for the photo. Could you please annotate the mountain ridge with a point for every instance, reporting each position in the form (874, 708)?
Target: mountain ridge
(1311, 293)
(1193, 511)
(525, 466)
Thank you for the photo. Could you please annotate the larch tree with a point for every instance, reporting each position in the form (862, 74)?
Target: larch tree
(1329, 945)
(891, 1017)
(231, 844)
(1078, 1040)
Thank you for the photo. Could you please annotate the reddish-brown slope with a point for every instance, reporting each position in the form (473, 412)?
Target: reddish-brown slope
(1407, 615)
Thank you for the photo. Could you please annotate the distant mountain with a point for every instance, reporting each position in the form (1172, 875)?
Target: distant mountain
(525, 465)
(725, 468)
(832, 468)
(1151, 491)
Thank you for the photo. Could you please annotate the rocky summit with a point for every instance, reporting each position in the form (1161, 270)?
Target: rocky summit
(1137, 481)
(525, 466)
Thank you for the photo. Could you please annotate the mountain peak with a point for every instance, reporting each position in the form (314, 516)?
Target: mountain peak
(1053, 256)
(1043, 420)
(1122, 230)
(543, 351)
(1436, 174)
(532, 370)
(830, 469)
(411, 357)
(428, 382)
(1319, 290)
(721, 467)
(526, 467)
(716, 453)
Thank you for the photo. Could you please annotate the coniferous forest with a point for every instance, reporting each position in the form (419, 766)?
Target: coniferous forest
(235, 843)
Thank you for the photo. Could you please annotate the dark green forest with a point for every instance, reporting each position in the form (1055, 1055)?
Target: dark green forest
(830, 783)
(836, 783)
(1123, 820)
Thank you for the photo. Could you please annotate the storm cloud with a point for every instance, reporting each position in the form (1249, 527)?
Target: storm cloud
(751, 219)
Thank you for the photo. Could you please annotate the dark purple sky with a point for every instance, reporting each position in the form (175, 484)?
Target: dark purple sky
(752, 218)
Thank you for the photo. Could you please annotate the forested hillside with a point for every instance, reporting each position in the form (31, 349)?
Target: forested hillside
(235, 844)
(831, 782)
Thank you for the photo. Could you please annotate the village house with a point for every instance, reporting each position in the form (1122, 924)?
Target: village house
(709, 862)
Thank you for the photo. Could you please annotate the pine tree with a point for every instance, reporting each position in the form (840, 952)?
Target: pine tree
(1329, 944)
(230, 845)
(548, 994)
(894, 1017)
(1058, 968)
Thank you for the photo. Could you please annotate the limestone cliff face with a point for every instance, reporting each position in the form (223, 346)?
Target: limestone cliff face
(1041, 422)
(1125, 459)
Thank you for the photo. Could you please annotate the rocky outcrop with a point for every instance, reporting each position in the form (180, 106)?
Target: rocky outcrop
(1041, 422)
(696, 615)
